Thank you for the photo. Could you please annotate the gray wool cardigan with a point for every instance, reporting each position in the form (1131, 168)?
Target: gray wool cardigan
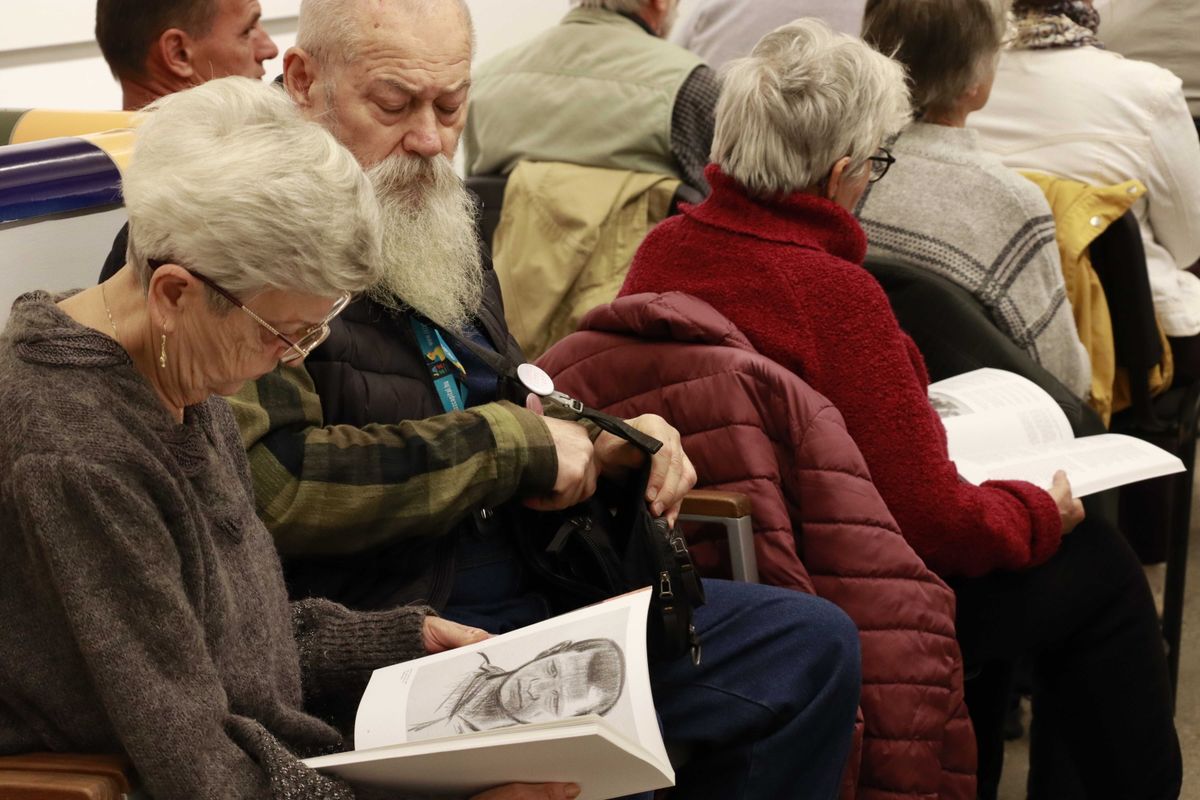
(142, 605)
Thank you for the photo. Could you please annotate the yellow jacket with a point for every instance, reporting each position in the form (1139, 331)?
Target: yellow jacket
(566, 237)
(1081, 213)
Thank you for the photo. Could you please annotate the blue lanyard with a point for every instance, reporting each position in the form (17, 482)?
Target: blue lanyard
(447, 371)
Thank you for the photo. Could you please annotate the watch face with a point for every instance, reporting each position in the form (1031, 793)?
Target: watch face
(535, 379)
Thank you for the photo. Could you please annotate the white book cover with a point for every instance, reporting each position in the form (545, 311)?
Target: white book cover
(1002, 426)
(567, 699)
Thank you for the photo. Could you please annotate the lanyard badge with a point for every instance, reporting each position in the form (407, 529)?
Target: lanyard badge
(449, 375)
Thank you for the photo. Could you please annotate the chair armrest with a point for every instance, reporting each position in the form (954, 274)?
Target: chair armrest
(64, 776)
(730, 510)
(705, 503)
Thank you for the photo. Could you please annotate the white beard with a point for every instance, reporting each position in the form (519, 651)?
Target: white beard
(431, 260)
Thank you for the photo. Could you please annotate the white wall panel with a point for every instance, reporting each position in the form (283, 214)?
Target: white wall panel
(54, 254)
(49, 59)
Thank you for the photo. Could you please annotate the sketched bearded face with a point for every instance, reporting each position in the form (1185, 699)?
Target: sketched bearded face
(583, 678)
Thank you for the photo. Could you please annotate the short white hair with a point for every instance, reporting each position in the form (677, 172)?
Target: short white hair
(230, 180)
(331, 30)
(803, 99)
(616, 6)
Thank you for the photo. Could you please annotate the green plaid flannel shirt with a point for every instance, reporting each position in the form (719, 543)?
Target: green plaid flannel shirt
(333, 489)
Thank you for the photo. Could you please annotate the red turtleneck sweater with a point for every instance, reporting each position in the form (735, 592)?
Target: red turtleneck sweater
(788, 272)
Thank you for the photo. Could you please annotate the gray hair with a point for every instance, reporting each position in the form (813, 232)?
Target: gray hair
(946, 45)
(804, 98)
(616, 6)
(230, 180)
(331, 30)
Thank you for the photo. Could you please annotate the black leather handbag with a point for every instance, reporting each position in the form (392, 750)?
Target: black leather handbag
(609, 544)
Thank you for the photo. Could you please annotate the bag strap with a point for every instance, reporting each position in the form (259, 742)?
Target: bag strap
(511, 374)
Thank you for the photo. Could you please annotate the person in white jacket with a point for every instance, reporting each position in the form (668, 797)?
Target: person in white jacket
(1064, 105)
(1164, 32)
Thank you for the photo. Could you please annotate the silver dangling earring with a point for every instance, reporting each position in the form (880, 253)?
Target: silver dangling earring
(162, 353)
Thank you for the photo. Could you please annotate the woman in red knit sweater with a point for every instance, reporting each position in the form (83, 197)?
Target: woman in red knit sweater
(774, 248)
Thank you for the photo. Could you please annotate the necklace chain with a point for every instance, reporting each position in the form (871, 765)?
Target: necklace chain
(108, 313)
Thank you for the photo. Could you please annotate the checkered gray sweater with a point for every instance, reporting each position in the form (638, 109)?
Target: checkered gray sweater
(142, 607)
(949, 207)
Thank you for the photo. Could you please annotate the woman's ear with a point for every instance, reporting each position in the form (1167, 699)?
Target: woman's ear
(976, 95)
(172, 289)
(837, 176)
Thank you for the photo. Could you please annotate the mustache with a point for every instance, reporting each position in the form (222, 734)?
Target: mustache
(400, 177)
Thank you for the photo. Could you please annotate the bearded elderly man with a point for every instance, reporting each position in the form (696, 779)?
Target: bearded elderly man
(600, 89)
(381, 490)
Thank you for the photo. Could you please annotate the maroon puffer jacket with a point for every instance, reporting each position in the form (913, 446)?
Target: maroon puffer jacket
(749, 425)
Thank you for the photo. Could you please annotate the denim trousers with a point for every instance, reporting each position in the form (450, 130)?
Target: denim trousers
(769, 711)
(768, 714)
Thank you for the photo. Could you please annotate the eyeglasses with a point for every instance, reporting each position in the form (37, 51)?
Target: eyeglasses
(880, 164)
(297, 350)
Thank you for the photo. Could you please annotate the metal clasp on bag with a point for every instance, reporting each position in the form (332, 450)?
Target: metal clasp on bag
(664, 586)
(571, 403)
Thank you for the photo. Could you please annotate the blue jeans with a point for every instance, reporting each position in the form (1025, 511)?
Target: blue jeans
(769, 712)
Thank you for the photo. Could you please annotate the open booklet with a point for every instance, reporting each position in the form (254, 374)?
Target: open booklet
(567, 699)
(1001, 426)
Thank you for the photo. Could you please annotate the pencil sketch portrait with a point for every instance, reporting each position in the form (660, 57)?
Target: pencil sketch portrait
(569, 679)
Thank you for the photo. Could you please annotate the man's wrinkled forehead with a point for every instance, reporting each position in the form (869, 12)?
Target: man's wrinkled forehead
(424, 47)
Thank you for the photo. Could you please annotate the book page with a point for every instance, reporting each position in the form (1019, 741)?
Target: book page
(590, 661)
(1092, 463)
(990, 409)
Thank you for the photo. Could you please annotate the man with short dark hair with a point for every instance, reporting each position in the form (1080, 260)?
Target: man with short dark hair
(157, 48)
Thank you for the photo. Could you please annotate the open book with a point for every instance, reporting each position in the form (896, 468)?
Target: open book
(1001, 426)
(567, 699)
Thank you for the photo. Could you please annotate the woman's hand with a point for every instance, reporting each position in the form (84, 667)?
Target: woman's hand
(1070, 510)
(671, 472)
(442, 634)
(531, 791)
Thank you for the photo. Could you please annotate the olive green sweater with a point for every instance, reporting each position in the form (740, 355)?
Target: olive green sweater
(142, 607)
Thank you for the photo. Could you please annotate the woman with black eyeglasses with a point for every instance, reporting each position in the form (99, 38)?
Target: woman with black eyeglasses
(775, 250)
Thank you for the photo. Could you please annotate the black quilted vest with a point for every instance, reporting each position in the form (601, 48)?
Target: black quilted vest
(370, 370)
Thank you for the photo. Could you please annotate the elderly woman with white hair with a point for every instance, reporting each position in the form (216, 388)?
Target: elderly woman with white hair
(143, 609)
(776, 250)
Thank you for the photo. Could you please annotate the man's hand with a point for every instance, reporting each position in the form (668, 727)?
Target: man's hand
(1070, 510)
(576, 479)
(442, 634)
(671, 472)
(531, 791)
